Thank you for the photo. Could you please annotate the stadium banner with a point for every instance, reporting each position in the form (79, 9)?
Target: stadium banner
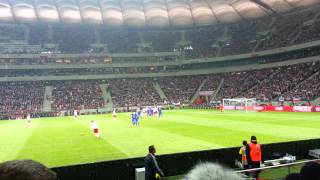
(316, 109)
(302, 108)
(276, 108)
(206, 93)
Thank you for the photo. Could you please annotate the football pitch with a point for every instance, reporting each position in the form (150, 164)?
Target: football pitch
(61, 141)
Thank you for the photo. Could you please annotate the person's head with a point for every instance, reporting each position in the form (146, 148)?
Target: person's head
(26, 170)
(211, 171)
(310, 171)
(244, 142)
(293, 176)
(152, 149)
(253, 139)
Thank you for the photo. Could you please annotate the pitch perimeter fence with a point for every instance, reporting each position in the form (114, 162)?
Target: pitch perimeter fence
(179, 163)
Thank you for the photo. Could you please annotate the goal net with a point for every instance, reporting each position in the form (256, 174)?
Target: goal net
(239, 104)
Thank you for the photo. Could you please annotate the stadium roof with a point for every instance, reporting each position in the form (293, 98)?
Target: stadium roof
(141, 13)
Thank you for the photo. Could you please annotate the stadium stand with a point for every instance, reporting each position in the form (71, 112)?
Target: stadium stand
(294, 82)
(180, 89)
(133, 92)
(308, 89)
(212, 82)
(291, 82)
(238, 82)
(19, 99)
(202, 42)
(77, 95)
(282, 80)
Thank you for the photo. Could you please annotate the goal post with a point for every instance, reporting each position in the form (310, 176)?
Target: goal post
(240, 104)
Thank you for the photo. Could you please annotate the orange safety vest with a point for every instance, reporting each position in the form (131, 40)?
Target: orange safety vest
(255, 152)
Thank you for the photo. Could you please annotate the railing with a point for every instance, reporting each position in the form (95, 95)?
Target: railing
(281, 170)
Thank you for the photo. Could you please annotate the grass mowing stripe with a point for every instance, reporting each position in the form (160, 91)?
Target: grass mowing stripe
(66, 142)
(60, 141)
(221, 137)
(254, 127)
(103, 130)
(14, 135)
(135, 140)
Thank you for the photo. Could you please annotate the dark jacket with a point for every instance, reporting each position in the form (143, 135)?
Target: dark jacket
(152, 167)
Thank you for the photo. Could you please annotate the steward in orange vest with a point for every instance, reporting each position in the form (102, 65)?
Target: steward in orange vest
(254, 153)
(254, 156)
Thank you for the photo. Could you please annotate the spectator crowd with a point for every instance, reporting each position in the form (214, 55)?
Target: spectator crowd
(76, 96)
(291, 83)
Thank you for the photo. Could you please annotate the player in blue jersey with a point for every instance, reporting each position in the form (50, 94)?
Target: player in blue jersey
(133, 118)
(159, 111)
(139, 113)
(151, 111)
(148, 111)
(137, 119)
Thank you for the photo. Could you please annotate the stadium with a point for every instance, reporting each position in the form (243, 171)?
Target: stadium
(87, 86)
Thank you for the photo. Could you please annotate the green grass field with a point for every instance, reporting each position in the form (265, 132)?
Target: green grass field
(61, 141)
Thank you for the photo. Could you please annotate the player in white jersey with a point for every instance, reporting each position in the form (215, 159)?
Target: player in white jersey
(114, 115)
(75, 113)
(95, 129)
(155, 110)
(29, 119)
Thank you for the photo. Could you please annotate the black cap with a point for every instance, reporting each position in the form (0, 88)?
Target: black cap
(253, 138)
(244, 142)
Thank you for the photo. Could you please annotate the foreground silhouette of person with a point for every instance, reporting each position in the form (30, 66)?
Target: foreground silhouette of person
(212, 171)
(25, 170)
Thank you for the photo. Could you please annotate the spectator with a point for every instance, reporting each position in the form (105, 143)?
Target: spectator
(211, 171)
(243, 155)
(293, 176)
(25, 170)
(310, 171)
(151, 164)
(254, 155)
